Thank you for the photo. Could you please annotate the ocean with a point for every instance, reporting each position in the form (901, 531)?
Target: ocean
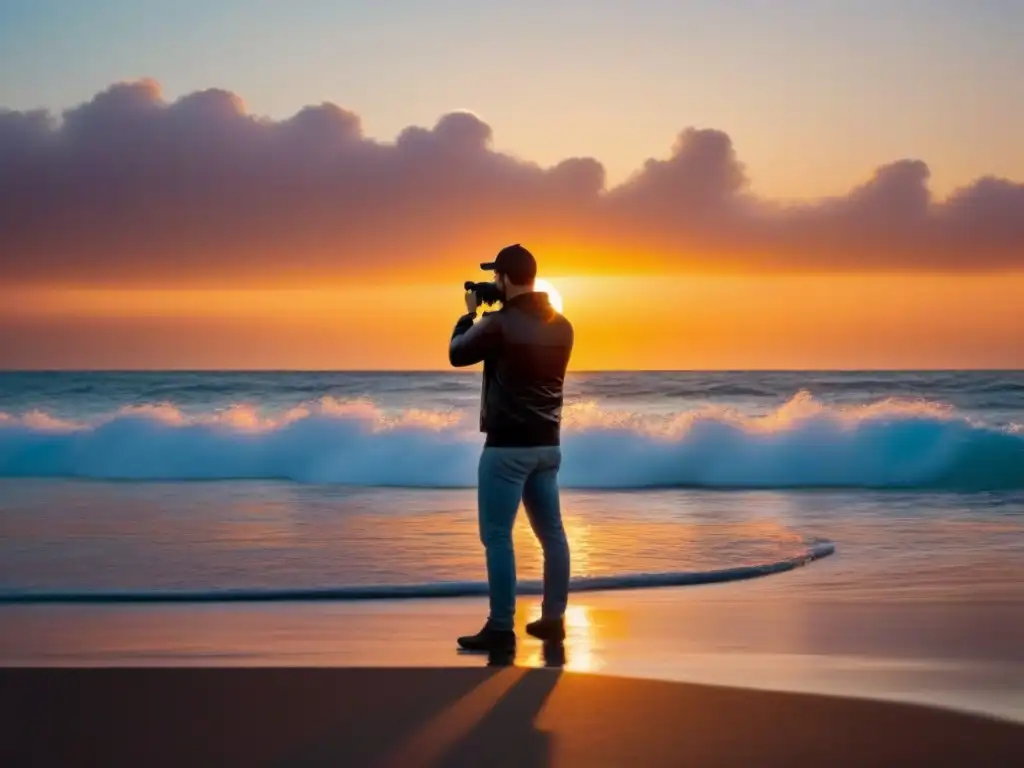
(157, 483)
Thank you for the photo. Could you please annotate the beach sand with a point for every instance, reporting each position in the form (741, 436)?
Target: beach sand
(498, 716)
(808, 631)
(796, 669)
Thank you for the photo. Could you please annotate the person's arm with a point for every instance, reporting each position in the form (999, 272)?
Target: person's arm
(472, 342)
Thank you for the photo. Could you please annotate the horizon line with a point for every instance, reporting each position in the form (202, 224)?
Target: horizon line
(464, 371)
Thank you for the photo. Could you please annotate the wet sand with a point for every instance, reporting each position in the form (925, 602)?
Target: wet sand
(463, 717)
(788, 670)
(784, 633)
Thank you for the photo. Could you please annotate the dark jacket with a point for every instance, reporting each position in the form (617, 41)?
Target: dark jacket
(525, 348)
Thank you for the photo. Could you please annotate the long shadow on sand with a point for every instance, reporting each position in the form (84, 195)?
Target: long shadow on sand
(493, 715)
(507, 734)
(492, 723)
(289, 716)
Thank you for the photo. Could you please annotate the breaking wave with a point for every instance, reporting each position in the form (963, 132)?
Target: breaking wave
(890, 444)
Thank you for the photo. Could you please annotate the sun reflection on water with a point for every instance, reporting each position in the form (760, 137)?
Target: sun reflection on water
(577, 531)
(580, 647)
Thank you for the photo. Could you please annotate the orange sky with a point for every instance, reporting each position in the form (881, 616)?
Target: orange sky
(145, 231)
(699, 322)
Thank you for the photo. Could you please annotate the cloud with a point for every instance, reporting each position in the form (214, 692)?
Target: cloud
(132, 188)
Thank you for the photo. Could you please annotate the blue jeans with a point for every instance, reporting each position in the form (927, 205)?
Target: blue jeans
(507, 476)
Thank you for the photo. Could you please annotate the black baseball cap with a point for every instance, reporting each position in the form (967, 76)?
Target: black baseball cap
(516, 262)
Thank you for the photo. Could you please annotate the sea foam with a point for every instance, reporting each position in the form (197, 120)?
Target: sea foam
(803, 444)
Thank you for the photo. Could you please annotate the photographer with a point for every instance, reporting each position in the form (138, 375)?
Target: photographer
(525, 348)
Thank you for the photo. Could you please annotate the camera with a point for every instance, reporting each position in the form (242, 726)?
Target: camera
(486, 293)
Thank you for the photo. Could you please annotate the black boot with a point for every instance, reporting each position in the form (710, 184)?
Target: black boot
(547, 629)
(489, 639)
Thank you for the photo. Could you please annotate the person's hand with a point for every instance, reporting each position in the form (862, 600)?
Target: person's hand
(471, 303)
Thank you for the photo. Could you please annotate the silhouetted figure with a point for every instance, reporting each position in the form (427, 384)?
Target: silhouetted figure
(525, 348)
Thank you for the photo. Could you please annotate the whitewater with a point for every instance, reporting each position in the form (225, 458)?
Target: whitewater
(294, 485)
(804, 443)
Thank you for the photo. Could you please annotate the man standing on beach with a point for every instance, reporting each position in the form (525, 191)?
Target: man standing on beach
(525, 348)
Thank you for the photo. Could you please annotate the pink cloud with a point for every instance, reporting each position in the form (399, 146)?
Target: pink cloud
(131, 187)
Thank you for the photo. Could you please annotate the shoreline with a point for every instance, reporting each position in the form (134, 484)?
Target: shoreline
(775, 634)
(441, 590)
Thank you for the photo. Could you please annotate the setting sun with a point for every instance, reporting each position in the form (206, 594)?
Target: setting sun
(544, 286)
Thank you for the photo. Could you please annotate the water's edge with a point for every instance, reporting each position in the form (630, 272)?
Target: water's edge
(815, 551)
